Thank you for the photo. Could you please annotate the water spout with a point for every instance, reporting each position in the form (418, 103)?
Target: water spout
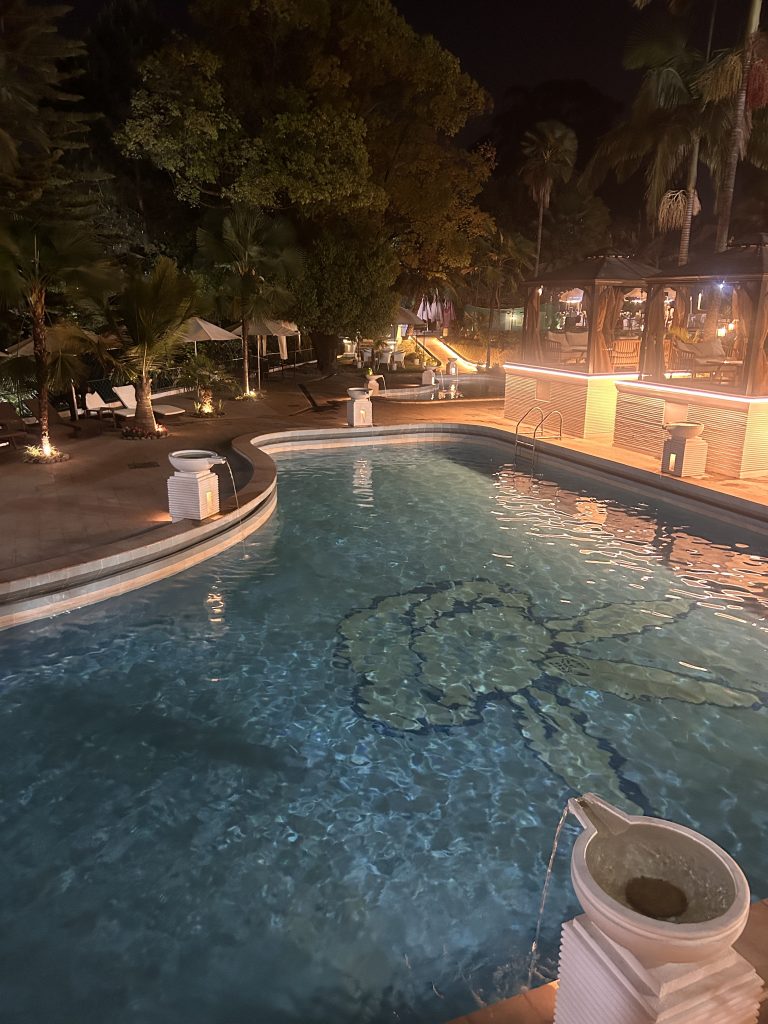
(591, 810)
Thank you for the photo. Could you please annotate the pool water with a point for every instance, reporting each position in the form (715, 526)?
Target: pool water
(320, 783)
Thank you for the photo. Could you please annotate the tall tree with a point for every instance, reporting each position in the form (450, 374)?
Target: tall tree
(257, 257)
(550, 150)
(360, 132)
(39, 265)
(500, 261)
(348, 287)
(39, 126)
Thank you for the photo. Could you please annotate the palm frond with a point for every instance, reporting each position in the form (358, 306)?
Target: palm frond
(654, 44)
(721, 79)
(673, 208)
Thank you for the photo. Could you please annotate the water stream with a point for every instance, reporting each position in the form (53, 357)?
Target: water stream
(237, 506)
(534, 954)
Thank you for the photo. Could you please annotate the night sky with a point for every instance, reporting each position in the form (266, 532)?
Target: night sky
(506, 43)
(521, 42)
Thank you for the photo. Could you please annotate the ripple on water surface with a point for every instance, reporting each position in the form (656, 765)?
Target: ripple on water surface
(321, 783)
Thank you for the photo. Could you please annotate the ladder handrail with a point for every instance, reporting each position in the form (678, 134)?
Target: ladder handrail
(543, 417)
(526, 414)
(540, 424)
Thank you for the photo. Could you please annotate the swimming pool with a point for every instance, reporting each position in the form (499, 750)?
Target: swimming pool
(221, 804)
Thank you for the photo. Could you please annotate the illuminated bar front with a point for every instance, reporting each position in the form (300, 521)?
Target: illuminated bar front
(581, 334)
(705, 361)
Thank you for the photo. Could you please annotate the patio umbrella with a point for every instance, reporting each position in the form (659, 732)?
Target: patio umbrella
(263, 328)
(405, 316)
(202, 330)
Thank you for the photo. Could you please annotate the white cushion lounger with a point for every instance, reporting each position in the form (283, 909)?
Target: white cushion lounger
(127, 395)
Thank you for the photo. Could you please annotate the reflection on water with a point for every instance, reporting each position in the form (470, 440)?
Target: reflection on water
(213, 813)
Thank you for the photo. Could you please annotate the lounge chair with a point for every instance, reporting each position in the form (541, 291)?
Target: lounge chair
(398, 360)
(95, 405)
(314, 405)
(705, 357)
(54, 415)
(127, 395)
(12, 426)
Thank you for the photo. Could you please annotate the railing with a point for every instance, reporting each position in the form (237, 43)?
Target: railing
(540, 425)
(531, 446)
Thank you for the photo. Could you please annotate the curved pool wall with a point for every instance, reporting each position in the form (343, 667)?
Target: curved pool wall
(470, 386)
(220, 807)
(122, 567)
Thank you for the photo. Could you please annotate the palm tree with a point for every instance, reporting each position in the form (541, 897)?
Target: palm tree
(751, 69)
(205, 376)
(154, 310)
(669, 128)
(258, 259)
(739, 133)
(550, 149)
(36, 265)
(498, 267)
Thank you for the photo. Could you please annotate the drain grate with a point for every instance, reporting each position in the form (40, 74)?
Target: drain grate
(143, 465)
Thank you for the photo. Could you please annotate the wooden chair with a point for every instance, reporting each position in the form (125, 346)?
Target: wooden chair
(626, 353)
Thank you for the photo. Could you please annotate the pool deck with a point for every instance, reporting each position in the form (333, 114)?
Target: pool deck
(538, 1005)
(112, 492)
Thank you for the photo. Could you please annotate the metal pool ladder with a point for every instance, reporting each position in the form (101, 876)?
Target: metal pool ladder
(528, 444)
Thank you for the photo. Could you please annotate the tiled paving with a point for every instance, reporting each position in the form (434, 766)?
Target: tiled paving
(71, 509)
(538, 1005)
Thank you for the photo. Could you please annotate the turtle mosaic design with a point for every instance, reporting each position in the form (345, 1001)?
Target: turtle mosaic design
(432, 658)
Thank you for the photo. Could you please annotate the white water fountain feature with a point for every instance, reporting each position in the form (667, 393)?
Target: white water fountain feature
(193, 490)
(359, 409)
(663, 906)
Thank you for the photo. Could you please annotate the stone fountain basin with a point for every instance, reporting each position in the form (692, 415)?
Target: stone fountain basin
(715, 887)
(194, 460)
(685, 431)
(357, 393)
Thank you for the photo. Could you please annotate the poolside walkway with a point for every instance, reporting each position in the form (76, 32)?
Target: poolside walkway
(538, 1005)
(114, 491)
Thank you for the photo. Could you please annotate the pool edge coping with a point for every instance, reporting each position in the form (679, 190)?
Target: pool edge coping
(122, 567)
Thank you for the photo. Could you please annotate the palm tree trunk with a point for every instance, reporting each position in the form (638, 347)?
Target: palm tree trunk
(258, 363)
(488, 339)
(737, 134)
(40, 349)
(244, 325)
(685, 234)
(538, 240)
(144, 419)
(693, 167)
